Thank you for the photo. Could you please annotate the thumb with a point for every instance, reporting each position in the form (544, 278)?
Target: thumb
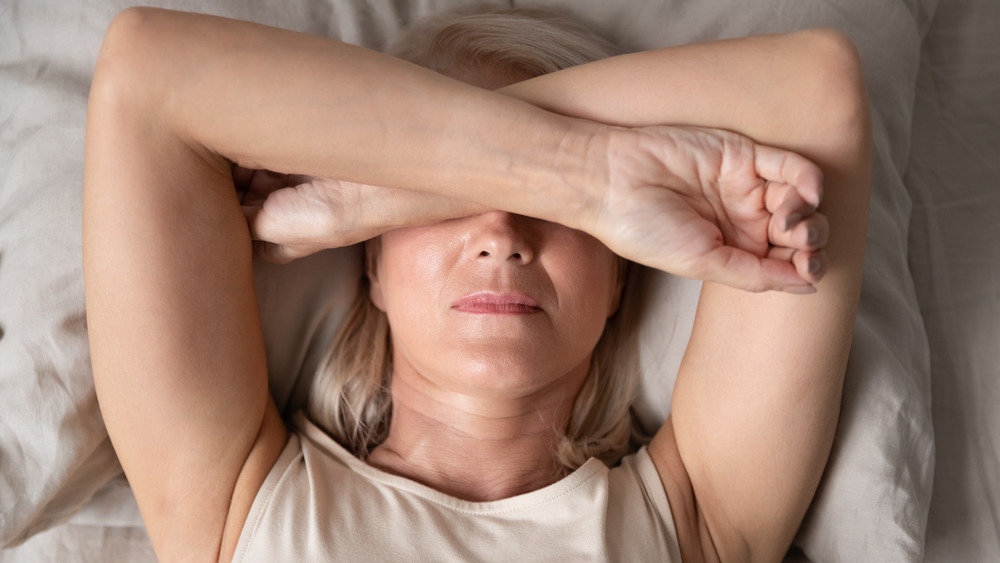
(262, 249)
(264, 226)
(744, 270)
(273, 239)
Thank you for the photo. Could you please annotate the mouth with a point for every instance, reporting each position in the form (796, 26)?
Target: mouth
(489, 303)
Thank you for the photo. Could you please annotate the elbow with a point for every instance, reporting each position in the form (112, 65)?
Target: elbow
(839, 92)
(129, 23)
(118, 76)
(118, 46)
(835, 117)
(118, 107)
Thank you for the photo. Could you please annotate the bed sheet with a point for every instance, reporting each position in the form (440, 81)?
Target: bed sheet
(954, 179)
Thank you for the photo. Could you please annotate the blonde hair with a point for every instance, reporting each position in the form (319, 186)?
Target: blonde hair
(516, 43)
(350, 396)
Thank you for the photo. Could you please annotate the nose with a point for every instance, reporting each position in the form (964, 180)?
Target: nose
(500, 236)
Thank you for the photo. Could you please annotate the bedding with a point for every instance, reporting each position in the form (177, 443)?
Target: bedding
(62, 495)
(954, 178)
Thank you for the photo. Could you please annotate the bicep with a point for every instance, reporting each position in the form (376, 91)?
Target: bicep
(754, 411)
(755, 407)
(757, 398)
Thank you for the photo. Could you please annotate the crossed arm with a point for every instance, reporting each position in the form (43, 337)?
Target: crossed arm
(758, 394)
(176, 343)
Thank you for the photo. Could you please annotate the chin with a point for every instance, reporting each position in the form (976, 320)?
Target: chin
(513, 373)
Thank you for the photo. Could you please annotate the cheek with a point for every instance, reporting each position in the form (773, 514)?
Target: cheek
(414, 261)
(588, 273)
(412, 272)
(587, 277)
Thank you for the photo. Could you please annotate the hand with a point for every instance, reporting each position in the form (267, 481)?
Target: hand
(291, 216)
(713, 205)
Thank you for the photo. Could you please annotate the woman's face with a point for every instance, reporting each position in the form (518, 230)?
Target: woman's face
(495, 303)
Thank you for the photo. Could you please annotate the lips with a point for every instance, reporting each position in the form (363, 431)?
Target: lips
(490, 303)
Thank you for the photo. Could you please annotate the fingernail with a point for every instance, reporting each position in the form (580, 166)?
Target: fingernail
(799, 289)
(792, 220)
(812, 237)
(815, 265)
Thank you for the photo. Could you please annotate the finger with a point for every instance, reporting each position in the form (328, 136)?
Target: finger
(296, 179)
(784, 167)
(742, 270)
(264, 182)
(254, 186)
(276, 253)
(785, 199)
(262, 226)
(809, 265)
(810, 233)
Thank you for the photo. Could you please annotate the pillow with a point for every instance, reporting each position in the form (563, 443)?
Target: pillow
(52, 441)
(953, 177)
(873, 500)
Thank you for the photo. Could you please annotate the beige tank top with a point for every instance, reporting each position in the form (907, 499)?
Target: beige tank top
(320, 503)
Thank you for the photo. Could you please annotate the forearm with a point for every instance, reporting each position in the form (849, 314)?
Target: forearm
(726, 84)
(269, 98)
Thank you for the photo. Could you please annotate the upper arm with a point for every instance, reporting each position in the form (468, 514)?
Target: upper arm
(176, 345)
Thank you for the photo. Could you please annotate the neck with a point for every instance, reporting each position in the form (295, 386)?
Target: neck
(475, 448)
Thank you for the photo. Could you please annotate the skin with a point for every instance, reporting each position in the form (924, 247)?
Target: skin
(477, 391)
(167, 253)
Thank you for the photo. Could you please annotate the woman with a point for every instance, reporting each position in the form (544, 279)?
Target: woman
(496, 274)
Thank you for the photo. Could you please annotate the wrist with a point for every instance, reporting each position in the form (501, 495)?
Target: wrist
(611, 155)
(582, 165)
